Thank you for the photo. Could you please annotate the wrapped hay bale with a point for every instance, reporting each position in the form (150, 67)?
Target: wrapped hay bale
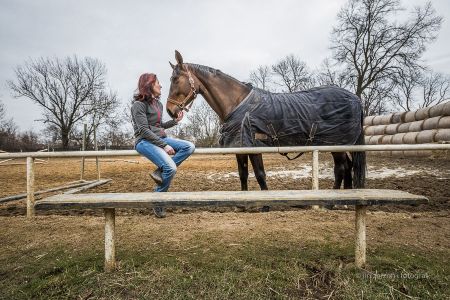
(375, 139)
(446, 109)
(403, 128)
(444, 122)
(375, 130)
(391, 129)
(397, 139)
(410, 138)
(437, 110)
(423, 113)
(366, 139)
(431, 123)
(368, 120)
(385, 140)
(442, 135)
(377, 120)
(398, 117)
(426, 136)
(410, 116)
(416, 126)
(386, 119)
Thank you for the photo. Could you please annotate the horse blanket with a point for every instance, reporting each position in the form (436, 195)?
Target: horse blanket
(326, 115)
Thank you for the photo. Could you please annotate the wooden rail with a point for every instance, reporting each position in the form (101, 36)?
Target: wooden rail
(249, 150)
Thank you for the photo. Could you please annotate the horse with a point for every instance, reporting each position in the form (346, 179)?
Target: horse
(227, 96)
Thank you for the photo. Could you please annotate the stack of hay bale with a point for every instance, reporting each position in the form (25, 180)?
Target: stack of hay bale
(426, 125)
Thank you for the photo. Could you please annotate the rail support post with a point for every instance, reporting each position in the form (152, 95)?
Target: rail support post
(360, 243)
(110, 243)
(315, 173)
(30, 187)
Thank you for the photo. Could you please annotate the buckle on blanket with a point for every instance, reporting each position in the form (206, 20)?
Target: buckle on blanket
(261, 136)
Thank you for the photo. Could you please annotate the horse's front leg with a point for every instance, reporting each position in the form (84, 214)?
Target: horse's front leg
(258, 168)
(242, 161)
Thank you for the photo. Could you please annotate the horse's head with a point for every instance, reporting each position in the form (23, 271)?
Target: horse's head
(183, 87)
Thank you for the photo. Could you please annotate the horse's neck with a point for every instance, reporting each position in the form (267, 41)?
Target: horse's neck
(222, 92)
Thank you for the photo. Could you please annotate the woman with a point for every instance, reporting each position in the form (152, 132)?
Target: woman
(150, 138)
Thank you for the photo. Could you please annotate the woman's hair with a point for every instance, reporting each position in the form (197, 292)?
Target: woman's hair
(145, 85)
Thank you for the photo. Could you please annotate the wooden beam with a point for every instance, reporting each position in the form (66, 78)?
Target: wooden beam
(87, 186)
(58, 188)
(284, 198)
(315, 173)
(30, 187)
(360, 243)
(110, 243)
(243, 150)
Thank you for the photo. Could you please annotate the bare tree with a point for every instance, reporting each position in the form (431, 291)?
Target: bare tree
(331, 75)
(435, 89)
(2, 113)
(406, 83)
(63, 88)
(294, 74)
(373, 47)
(261, 77)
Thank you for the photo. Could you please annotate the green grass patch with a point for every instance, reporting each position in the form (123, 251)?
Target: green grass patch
(206, 268)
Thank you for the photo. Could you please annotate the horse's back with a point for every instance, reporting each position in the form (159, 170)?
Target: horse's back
(326, 115)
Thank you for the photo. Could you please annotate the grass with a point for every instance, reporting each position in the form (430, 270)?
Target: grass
(203, 267)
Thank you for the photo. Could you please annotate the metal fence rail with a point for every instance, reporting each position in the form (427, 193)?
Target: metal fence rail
(31, 156)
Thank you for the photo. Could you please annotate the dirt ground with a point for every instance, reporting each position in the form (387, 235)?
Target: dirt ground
(425, 226)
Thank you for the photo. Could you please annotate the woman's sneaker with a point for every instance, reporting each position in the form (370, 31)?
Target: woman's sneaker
(160, 212)
(156, 176)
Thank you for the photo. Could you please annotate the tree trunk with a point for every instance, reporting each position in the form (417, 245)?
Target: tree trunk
(65, 139)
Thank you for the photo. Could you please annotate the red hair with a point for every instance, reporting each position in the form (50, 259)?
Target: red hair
(145, 86)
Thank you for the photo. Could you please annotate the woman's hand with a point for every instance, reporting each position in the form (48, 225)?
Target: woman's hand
(179, 116)
(169, 150)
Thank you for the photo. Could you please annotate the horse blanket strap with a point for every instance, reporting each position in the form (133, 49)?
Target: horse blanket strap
(308, 142)
(326, 115)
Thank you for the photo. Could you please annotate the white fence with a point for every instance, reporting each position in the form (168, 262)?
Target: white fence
(31, 156)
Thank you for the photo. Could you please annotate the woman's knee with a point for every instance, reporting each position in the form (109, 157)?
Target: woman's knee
(169, 169)
(190, 147)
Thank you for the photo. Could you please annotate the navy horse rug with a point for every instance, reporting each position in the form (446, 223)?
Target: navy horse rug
(326, 115)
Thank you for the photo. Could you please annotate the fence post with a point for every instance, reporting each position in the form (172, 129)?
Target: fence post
(30, 187)
(360, 242)
(83, 148)
(96, 149)
(315, 173)
(110, 243)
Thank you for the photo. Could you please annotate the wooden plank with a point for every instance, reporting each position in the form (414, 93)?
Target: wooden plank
(315, 173)
(243, 150)
(30, 187)
(110, 243)
(231, 198)
(58, 188)
(88, 186)
(360, 242)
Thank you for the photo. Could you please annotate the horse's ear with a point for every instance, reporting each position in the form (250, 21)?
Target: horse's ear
(172, 65)
(178, 57)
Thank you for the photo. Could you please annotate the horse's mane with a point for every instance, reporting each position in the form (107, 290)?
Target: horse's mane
(205, 71)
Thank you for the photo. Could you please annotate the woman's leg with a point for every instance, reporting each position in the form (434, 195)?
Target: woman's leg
(183, 149)
(162, 160)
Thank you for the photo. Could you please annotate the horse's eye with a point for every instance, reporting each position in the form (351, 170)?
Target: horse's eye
(174, 78)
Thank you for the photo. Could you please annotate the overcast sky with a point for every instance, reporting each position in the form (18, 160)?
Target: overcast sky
(134, 37)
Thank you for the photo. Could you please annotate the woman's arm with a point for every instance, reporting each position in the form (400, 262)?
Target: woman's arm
(138, 110)
(169, 124)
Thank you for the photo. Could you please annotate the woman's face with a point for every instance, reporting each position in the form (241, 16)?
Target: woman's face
(156, 90)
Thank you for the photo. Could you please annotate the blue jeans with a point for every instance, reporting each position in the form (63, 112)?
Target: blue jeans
(167, 165)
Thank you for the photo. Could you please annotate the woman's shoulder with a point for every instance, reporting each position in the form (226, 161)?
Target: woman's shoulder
(138, 104)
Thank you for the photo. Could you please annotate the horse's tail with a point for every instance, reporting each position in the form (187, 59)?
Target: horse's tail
(359, 161)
